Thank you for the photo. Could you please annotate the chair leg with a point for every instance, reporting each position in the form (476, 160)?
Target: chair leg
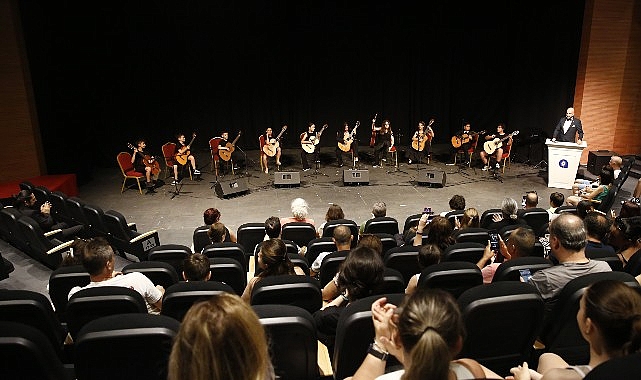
(122, 189)
(139, 188)
(231, 162)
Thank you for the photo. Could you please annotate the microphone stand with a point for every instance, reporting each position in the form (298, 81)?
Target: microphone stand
(246, 174)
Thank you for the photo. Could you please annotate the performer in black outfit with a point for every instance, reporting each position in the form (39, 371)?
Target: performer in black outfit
(567, 128)
(384, 140)
(308, 137)
(422, 136)
(137, 159)
(340, 138)
(465, 135)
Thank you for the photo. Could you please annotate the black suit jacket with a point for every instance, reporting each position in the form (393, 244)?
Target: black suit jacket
(569, 136)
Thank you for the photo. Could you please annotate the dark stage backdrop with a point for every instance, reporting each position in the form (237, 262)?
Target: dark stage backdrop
(106, 73)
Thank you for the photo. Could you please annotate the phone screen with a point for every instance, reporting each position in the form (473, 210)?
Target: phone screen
(427, 210)
(526, 275)
(494, 242)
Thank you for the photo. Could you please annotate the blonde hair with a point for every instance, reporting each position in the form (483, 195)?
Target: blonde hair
(220, 338)
(470, 218)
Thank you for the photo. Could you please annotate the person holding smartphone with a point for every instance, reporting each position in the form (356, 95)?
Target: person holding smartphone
(520, 244)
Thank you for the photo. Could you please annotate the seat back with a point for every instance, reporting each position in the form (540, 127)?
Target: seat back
(329, 266)
(560, 333)
(292, 336)
(393, 282)
(124, 162)
(178, 298)
(483, 307)
(472, 235)
(608, 201)
(96, 220)
(535, 218)
(26, 185)
(328, 230)
(299, 261)
(42, 195)
(38, 245)
(470, 252)
(59, 209)
(213, 148)
(453, 215)
(250, 234)
(318, 246)
(509, 270)
(117, 225)
(137, 345)
(354, 333)
(128, 241)
(92, 303)
(301, 291)
(625, 367)
(168, 150)
(76, 211)
(411, 221)
(200, 238)
(388, 241)
(405, 260)
(507, 230)
(486, 217)
(61, 281)
(159, 272)
(230, 272)
(300, 233)
(28, 354)
(172, 254)
(613, 261)
(226, 249)
(454, 277)
(10, 216)
(383, 224)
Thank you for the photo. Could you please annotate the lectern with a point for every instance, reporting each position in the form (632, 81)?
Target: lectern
(563, 162)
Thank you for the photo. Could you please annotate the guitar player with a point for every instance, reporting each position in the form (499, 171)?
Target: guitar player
(183, 153)
(465, 136)
(498, 154)
(273, 143)
(340, 138)
(422, 138)
(384, 140)
(137, 159)
(309, 137)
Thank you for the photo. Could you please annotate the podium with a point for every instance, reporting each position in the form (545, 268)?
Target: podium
(563, 162)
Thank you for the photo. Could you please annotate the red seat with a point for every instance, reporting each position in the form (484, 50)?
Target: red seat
(127, 169)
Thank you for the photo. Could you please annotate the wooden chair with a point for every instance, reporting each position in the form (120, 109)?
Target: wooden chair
(127, 170)
(506, 156)
(393, 155)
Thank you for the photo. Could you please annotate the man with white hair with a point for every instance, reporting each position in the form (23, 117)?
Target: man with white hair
(300, 212)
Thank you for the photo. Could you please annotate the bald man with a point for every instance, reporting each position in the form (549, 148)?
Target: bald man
(568, 128)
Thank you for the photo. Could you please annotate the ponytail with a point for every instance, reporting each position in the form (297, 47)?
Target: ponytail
(634, 344)
(430, 357)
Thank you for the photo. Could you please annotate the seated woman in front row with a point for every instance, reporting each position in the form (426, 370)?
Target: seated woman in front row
(598, 194)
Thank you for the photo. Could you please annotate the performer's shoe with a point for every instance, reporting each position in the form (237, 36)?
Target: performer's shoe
(196, 172)
(498, 166)
(306, 169)
(485, 167)
(175, 182)
(278, 163)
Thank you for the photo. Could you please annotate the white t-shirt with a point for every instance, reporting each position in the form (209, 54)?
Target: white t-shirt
(136, 281)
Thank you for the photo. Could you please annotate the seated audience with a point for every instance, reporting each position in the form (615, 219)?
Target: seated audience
(425, 334)
(379, 210)
(343, 240)
(216, 233)
(609, 319)
(211, 216)
(98, 260)
(567, 243)
(509, 216)
(598, 194)
(520, 244)
(597, 227)
(469, 219)
(300, 213)
(586, 185)
(429, 254)
(531, 201)
(196, 268)
(74, 255)
(26, 201)
(334, 212)
(220, 339)
(439, 232)
(360, 275)
(457, 203)
(273, 260)
(584, 207)
(630, 209)
(625, 236)
(556, 201)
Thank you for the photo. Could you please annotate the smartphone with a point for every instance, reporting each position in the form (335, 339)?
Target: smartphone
(428, 211)
(526, 275)
(494, 242)
(523, 201)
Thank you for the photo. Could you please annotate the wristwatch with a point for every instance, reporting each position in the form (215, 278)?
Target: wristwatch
(376, 352)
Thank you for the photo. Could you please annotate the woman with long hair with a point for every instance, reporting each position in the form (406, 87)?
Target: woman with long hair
(606, 177)
(625, 237)
(609, 318)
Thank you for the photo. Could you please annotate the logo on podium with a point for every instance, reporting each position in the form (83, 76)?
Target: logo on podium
(564, 163)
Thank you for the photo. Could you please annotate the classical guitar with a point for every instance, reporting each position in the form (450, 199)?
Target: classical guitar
(310, 146)
(418, 142)
(271, 146)
(184, 152)
(225, 154)
(491, 146)
(348, 139)
(372, 140)
(457, 141)
(148, 161)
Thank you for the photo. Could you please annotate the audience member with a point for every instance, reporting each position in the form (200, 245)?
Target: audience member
(300, 213)
(609, 319)
(457, 203)
(567, 243)
(556, 201)
(439, 232)
(598, 194)
(580, 184)
(429, 254)
(630, 209)
(272, 228)
(211, 216)
(519, 244)
(379, 210)
(216, 233)
(360, 275)
(531, 200)
(597, 227)
(273, 260)
(25, 202)
(583, 208)
(196, 268)
(343, 240)
(74, 255)
(425, 334)
(625, 236)
(508, 217)
(469, 219)
(334, 212)
(220, 339)
(98, 260)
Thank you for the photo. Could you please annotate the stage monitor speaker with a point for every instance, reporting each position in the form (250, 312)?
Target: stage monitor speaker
(596, 160)
(432, 178)
(355, 177)
(226, 189)
(287, 179)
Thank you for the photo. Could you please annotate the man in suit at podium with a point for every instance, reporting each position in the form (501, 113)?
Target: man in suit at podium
(567, 128)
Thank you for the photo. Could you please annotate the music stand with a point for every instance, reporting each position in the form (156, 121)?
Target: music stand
(246, 173)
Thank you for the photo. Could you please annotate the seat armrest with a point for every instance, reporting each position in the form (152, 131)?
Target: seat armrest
(53, 232)
(132, 226)
(60, 247)
(143, 236)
